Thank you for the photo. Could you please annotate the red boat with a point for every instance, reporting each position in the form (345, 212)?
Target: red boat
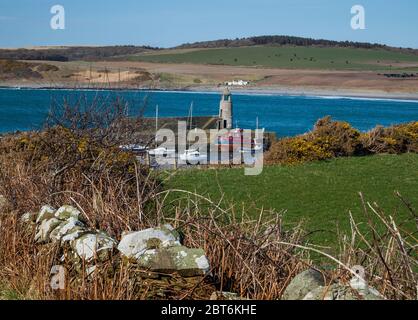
(233, 141)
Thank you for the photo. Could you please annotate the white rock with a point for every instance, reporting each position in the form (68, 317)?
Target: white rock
(302, 284)
(28, 217)
(93, 246)
(203, 264)
(73, 235)
(185, 261)
(66, 212)
(70, 226)
(359, 283)
(47, 212)
(338, 291)
(45, 229)
(134, 244)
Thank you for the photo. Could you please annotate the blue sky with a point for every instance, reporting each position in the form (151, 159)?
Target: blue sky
(168, 23)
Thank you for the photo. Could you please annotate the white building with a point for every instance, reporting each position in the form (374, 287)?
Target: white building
(237, 83)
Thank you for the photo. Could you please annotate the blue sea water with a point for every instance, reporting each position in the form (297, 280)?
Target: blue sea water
(284, 114)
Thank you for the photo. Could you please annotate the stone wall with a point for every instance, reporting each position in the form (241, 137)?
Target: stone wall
(156, 249)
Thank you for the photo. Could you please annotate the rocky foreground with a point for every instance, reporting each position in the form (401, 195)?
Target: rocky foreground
(159, 251)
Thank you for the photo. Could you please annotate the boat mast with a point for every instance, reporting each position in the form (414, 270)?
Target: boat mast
(156, 118)
(190, 122)
(156, 122)
(191, 116)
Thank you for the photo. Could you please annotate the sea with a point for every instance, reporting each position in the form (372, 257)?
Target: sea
(286, 115)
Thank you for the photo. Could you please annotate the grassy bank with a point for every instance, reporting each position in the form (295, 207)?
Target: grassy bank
(321, 193)
(290, 57)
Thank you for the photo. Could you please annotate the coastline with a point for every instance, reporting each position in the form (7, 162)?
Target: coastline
(318, 92)
(251, 90)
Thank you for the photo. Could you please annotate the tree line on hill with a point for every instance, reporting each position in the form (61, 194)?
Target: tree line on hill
(290, 40)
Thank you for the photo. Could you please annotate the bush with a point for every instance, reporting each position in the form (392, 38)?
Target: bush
(329, 139)
(332, 139)
(395, 140)
(298, 150)
(339, 138)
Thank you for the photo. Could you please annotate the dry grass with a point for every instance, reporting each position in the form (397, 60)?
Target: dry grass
(387, 248)
(256, 259)
(246, 255)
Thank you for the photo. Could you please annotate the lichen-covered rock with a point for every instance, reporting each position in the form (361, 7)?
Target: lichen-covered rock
(70, 226)
(47, 212)
(28, 218)
(179, 259)
(221, 295)
(73, 235)
(360, 284)
(44, 229)
(339, 292)
(67, 212)
(93, 247)
(302, 284)
(134, 244)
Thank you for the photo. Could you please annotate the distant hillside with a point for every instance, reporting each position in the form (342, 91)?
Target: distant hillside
(289, 40)
(72, 53)
(90, 53)
(290, 57)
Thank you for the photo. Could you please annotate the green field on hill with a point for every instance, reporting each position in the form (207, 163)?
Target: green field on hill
(291, 57)
(321, 194)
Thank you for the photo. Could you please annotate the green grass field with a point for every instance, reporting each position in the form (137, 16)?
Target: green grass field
(291, 57)
(321, 194)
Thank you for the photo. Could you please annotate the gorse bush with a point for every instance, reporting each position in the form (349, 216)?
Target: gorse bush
(298, 150)
(395, 140)
(337, 137)
(331, 139)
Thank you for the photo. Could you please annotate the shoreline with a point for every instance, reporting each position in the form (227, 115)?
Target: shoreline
(285, 91)
(316, 92)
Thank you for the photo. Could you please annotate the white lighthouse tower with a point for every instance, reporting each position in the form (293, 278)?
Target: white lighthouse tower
(225, 110)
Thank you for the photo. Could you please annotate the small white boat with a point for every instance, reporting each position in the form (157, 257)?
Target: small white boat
(162, 151)
(255, 148)
(193, 157)
(133, 148)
